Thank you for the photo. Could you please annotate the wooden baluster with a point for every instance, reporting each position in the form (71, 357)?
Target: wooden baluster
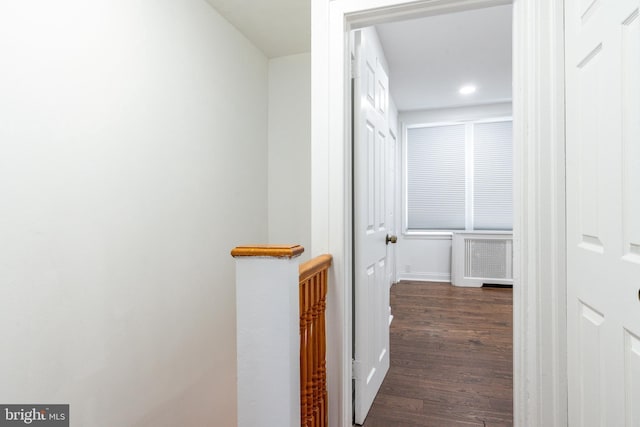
(319, 349)
(303, 354)
(314, 354)
(324, 420)
(313, 350)
(311, 333)
(308, 387)
(319, 355)
(313, 382)
(310, 354)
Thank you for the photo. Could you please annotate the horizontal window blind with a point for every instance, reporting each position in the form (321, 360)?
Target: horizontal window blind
(493, 176)
(436, 178)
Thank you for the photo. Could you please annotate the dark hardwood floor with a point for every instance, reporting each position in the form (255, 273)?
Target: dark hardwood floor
(451, 358)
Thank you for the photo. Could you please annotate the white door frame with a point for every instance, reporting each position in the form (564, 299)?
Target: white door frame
(540, 396)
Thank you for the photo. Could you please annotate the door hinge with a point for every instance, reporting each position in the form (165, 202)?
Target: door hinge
(356, 367)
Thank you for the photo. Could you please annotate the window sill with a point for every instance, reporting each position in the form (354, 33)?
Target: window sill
(428, 235)
(447, 235)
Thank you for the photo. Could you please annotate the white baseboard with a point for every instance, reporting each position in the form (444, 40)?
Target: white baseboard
(426, 277)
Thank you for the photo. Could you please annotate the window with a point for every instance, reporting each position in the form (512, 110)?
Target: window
(459, 176)
(436, 177)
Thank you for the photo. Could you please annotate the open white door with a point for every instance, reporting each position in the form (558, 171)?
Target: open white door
(391, 180)
(603, 211)
(371, 296)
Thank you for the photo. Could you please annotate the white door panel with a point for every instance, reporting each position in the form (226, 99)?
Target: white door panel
(603, 211)
(632, 373)
(631, 135)
(371, 216)
(391, 197)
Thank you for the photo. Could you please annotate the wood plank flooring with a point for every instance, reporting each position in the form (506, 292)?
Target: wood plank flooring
(451, 358)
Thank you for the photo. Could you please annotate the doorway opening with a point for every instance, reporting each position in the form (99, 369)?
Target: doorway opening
(539, 169)
(432, 159)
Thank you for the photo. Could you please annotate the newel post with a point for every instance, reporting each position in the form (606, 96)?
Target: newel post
(268, 335)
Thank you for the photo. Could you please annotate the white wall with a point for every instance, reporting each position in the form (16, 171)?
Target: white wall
(132, 159)
(290, 151)
(475, 112)
(428, 257)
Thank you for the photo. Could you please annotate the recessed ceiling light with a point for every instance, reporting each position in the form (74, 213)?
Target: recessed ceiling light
(467, 90)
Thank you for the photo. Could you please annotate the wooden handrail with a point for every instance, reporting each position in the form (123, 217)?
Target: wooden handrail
(273, 251)
(313, 266)
(313, 346)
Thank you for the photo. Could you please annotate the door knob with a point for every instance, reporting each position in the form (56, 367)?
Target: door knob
(391, 239)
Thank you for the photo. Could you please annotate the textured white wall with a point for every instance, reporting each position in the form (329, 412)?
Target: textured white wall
(290, 151)
(133, 146)
(429, 257)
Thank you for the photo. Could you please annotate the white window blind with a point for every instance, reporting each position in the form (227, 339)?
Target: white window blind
(492, 176)
(460, 176)
(436, 177)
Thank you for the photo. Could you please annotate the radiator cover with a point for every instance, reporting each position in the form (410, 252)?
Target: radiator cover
(482, 258)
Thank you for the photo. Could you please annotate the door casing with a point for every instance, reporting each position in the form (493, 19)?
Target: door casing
(540, 387)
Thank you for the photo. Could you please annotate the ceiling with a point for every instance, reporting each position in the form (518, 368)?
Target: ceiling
(277, 27)
(431, 58)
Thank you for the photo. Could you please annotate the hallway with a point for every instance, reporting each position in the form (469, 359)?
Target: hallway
(451, 358)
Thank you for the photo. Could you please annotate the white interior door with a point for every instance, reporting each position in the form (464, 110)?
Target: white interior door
(391, 180)
(603, 211)
(371, 293)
